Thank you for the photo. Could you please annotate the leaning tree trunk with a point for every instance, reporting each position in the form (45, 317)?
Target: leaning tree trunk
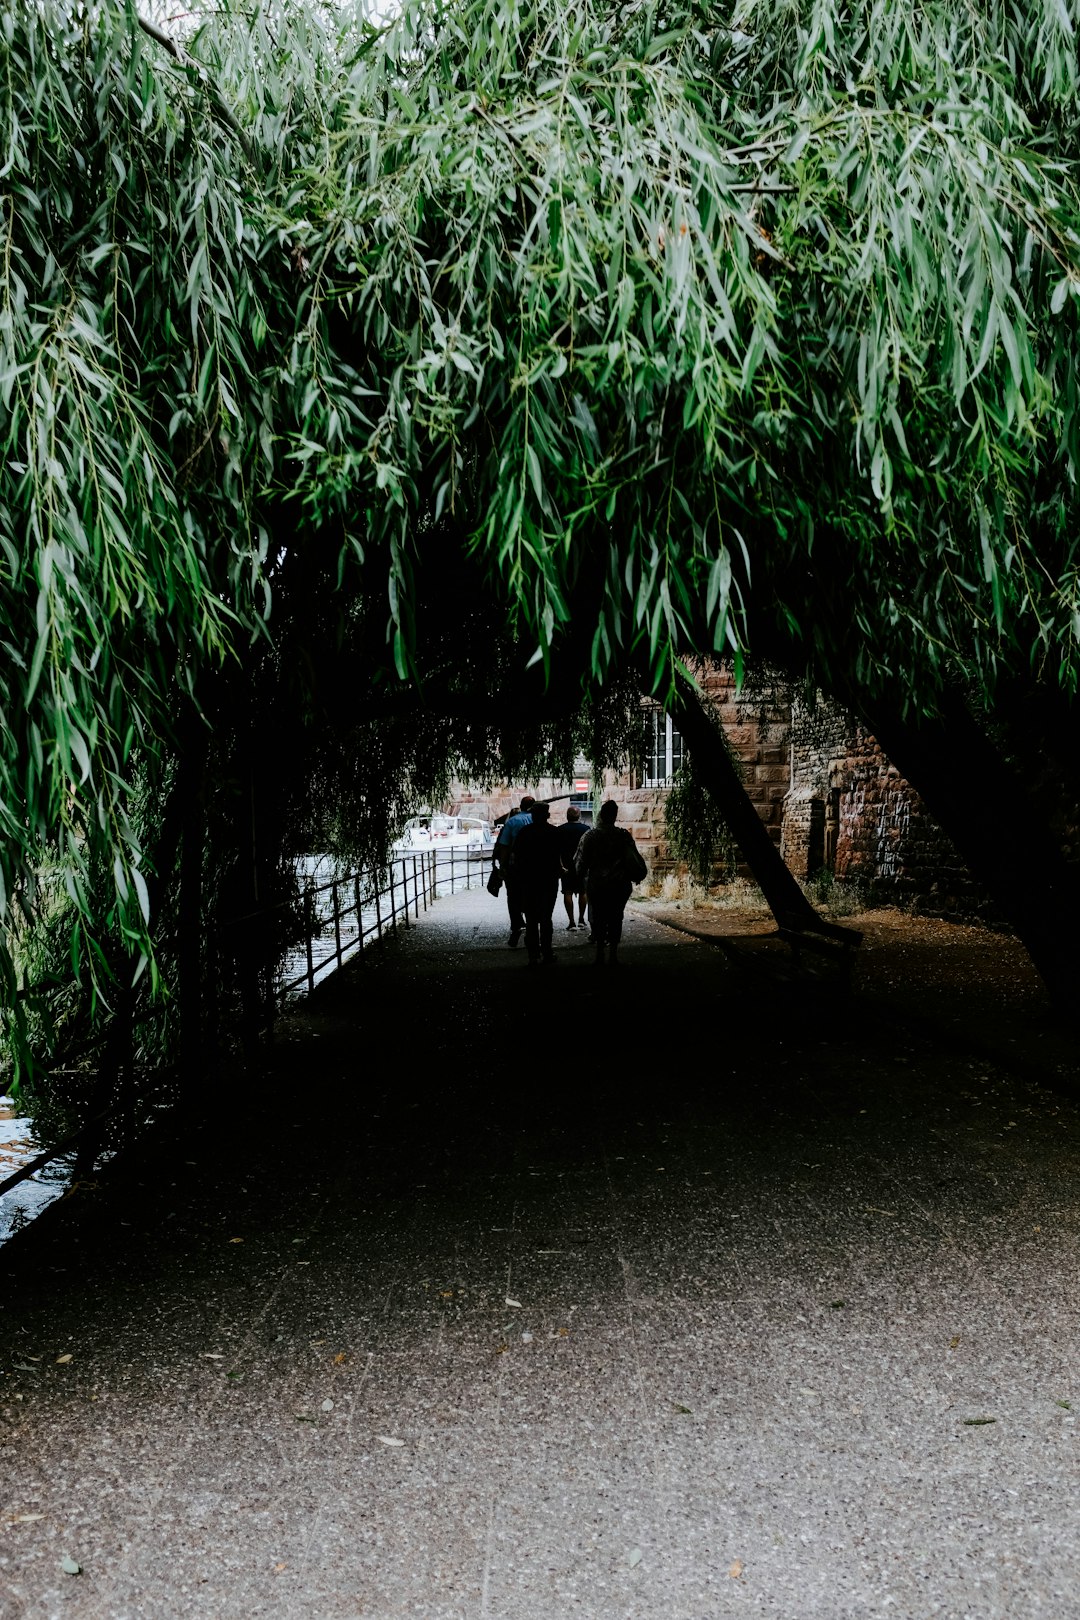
(983, 806)
(191, 781)
(784, 897)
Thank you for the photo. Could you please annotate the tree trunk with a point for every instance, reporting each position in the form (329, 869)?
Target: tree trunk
(983, 806)
(190, 785)
(704, 739)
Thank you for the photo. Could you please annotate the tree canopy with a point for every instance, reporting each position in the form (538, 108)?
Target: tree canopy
(669, 328)
(757, 305)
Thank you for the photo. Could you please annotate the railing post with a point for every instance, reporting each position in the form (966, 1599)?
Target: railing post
(336, 897)
(393, 900)
(359, 917)
(378, 908)
(405, 887)
(309, 929)
(416, 889)
(270, 1004)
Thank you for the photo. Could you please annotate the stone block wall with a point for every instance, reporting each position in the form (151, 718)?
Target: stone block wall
(849, 811)
(641, 812)
(491, 803)
(758, 727)
(822, 786)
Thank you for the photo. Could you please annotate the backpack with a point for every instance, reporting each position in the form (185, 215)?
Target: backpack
(615, 859)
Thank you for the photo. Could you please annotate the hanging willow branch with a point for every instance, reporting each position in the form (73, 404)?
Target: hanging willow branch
(735, 327)
(176, 50)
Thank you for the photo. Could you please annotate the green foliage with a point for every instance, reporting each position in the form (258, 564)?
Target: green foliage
(696, 833)
(729, 316)
(130, 544)
(838, 897)
(690, 330)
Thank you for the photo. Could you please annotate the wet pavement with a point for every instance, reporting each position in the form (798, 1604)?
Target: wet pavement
(682, 1291)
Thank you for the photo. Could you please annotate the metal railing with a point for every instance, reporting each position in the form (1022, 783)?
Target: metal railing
(344, 914)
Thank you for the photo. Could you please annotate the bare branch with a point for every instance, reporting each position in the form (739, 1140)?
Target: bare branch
(177, 51)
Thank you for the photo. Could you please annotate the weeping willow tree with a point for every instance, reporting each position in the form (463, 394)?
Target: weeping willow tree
(690, 290)
(746, 328)
(695, 833)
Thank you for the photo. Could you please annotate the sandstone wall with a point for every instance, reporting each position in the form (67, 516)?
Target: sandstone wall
(850, 811)
(491, 803)
(758, 728)
(822, 786)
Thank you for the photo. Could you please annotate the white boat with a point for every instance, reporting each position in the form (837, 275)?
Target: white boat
(440, 832)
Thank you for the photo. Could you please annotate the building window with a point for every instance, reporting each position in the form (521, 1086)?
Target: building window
(664, 749)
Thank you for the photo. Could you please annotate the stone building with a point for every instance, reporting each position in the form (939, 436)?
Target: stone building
(831, 800)
(758, 727)
(848, 811)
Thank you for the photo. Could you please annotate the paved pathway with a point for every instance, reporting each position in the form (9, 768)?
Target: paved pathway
(663, 1294)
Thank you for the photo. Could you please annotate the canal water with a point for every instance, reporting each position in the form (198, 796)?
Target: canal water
(18, 1145)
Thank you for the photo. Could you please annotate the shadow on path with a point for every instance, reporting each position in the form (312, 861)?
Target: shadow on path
(655, 1293)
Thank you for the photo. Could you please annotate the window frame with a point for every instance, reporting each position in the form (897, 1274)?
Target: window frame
(670, 750)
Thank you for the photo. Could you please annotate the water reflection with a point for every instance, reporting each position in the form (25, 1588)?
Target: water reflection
(18, 1145)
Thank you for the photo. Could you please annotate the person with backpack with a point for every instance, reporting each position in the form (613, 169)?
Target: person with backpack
(608, 865)
(503, 864)
(536, 876)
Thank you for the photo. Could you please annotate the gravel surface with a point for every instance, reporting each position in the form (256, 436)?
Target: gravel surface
(694, 1290)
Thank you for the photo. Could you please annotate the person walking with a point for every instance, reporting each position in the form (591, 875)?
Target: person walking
(570, 835)
(608, 863)
(536, 872)
(503, 858)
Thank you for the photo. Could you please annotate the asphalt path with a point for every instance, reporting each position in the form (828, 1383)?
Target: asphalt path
(674, 1291)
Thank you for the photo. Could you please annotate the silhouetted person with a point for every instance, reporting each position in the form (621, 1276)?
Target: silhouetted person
(609, 863)
(536, 872)
(503, 857)
(570, 835)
